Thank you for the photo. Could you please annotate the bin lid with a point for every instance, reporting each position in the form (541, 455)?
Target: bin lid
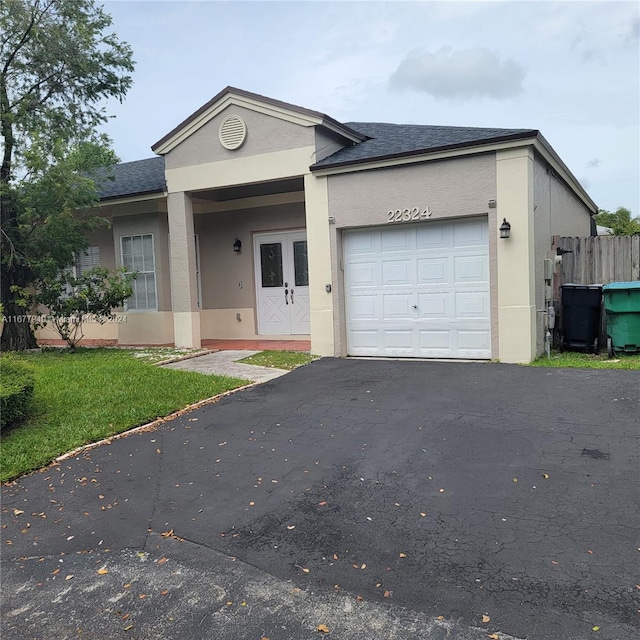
(622, 286)
(572, 285)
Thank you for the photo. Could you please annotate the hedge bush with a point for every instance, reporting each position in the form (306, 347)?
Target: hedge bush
(16, 391)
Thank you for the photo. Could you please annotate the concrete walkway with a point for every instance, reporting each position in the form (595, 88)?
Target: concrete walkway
(223, 363)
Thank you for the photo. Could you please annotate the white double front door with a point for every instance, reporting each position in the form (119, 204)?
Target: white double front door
(282, 283)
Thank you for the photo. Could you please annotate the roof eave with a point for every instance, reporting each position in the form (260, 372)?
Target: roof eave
(424, 152)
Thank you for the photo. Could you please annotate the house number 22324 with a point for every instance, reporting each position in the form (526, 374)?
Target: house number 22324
(408, 215)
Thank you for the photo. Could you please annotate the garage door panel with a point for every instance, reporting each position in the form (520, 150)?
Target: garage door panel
(424, 292)
(365, 307)
(397, 239)
(397, 272)
(472, 305)
(435, 339)
(432, 236)
(473, 340)
(398, 339)
(470, 234)
(435, 305)
(433, 270)
(396, 306)
(363, 274)
(470, 269)
(362, 243)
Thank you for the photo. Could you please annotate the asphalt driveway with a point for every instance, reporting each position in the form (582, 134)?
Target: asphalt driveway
(381, 499)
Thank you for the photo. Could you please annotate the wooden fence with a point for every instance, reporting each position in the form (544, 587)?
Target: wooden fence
(599, 259)
(595, 260)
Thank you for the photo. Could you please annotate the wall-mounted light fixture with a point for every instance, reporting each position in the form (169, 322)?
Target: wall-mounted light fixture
(505, 229)
(237, 245)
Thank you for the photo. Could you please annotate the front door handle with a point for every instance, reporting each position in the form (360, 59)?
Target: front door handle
(286, 292)
(291, 296)
(414, 306)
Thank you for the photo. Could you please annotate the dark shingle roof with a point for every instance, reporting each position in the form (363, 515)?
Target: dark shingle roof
(132, 178)
(383, 141)
(392, 140)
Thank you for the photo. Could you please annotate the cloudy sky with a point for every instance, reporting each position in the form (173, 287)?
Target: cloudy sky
(569, 69)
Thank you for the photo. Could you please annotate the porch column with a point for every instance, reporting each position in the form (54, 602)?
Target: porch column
(316, 202)
(516, 256)
(184, 296)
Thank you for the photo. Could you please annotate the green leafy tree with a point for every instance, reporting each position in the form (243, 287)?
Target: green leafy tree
(58, 67)
(71, 301)
(619, 221)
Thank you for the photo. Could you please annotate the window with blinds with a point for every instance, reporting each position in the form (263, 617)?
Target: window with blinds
(138, 256)
(87, 259)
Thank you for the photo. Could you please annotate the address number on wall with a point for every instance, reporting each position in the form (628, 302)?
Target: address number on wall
(408, 215)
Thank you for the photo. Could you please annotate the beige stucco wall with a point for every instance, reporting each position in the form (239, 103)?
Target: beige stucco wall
(144, 223)
(265, 134)
(517, 321)
(450, 188)
(327, 142)
(557, 211)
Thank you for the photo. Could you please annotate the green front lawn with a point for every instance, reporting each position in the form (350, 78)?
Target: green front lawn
(92, 394)
(280, 359)
(575, 359)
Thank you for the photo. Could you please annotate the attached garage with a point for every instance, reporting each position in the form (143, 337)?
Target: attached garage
(418, 291)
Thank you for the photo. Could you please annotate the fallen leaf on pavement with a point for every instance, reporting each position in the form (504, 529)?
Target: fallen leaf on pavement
(167, 534)
(386, 594)
(305, 570)
(55, 571)
(17, 512)
(164, 592)
(103, 571)
(545, 476)
(162, 560)
(486, 618)
(359, 598)
(596, 628)
(128, 627)
(423, 514)
(403, 555)
(494, 636)
(322, 628)
(364, 566)
(69, 577)
(440, 618)
(335, 556)
(322, 504)
(291, 526)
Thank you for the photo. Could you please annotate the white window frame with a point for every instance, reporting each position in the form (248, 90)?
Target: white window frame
(155, 276)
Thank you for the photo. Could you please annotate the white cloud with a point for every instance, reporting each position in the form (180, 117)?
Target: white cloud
(467, 73)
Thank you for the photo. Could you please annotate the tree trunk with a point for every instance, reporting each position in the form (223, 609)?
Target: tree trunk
(17, 334)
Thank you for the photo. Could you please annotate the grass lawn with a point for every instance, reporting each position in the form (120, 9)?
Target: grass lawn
(94, 393)
(280, 359)
(579, 360)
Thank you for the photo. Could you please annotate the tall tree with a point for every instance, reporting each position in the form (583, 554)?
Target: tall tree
(59, 65)
(619, 221)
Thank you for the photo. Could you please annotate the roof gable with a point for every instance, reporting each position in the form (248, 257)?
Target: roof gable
(255, 102)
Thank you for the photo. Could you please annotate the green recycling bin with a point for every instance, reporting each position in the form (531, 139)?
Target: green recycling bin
(622, 307)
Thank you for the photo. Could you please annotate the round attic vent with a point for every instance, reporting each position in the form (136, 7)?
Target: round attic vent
(233, 132)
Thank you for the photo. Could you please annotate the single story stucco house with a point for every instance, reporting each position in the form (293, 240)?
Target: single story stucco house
(262, 219)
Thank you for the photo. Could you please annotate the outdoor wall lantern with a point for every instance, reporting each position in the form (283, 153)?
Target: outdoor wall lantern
(505, 229)
(237, 245)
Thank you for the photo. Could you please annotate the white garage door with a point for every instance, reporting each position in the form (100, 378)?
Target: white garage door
(418, 291)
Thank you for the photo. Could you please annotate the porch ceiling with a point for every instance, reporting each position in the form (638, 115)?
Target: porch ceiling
(251, 190)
